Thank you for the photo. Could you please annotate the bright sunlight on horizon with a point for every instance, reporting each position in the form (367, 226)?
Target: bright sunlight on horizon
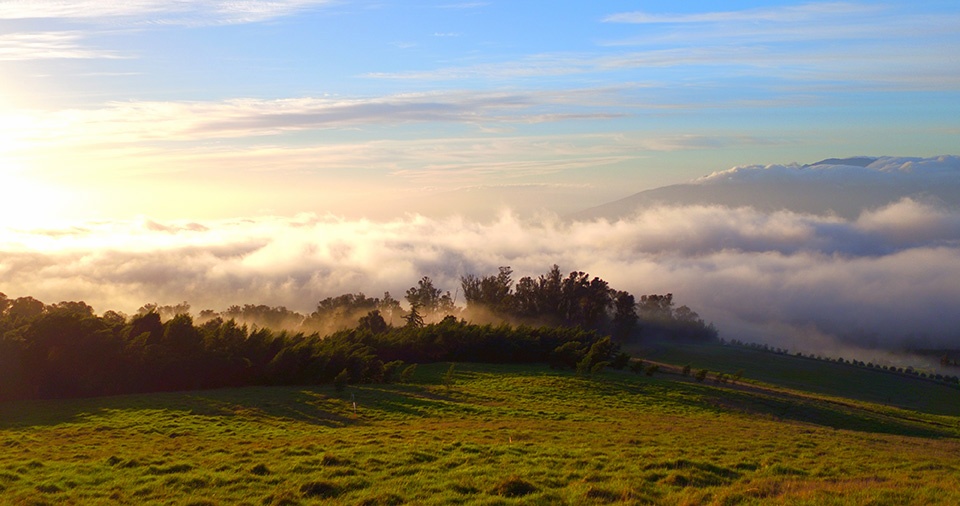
(283, 151)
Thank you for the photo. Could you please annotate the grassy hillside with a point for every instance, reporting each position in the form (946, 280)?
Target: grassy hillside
(808, 374)
(486, 435)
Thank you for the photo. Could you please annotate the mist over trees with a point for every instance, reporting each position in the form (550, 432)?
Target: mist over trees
(579, 300)
(66, 350)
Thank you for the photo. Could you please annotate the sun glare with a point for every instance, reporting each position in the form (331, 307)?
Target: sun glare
(25, 200)
(25, 203)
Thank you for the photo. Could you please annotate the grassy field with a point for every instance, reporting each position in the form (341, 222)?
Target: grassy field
(812, 375)
(494, 435)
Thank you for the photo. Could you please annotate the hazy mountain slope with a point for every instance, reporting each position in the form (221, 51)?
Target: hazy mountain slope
(843, 187)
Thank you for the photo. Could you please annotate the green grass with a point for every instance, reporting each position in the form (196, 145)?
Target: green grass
(812, 375)
(494, 435)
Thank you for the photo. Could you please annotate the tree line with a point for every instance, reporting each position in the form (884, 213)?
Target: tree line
(952, 380)
(67, 350)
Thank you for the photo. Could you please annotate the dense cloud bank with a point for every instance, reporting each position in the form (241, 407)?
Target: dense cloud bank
(897, 170)
(833, 187)
(888, 279)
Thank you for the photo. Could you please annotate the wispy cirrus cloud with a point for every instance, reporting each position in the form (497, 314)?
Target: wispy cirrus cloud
(464, 5)
(803, 42)
(256, 135)
(827, 42)
(49, 45)
(784, 14)
(78, 21)
(878, 65)
(152, 121)
(157, 11)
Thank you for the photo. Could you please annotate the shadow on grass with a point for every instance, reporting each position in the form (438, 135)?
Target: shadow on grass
(783, 407)
(320, 406)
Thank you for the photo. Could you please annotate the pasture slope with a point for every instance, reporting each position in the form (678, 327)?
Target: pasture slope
(791, 431)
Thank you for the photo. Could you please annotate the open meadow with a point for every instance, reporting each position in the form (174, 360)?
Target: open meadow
(481, 435)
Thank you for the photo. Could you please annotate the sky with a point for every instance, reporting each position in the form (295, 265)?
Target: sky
(280, 152)
(218, 109)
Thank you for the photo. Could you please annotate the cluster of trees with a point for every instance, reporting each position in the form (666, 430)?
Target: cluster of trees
(579, 300)
(67, 350)
(551, 299)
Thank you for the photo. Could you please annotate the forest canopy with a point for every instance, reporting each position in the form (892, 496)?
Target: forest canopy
(575, 321)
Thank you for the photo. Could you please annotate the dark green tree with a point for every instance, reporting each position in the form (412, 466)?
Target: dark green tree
(341, 380)
(624, 314)
(373, 322)
(413, 318)
(492, 293)
(430, 300)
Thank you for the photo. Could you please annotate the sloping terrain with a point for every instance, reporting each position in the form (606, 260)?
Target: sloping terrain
(840, 187)
(481, 434)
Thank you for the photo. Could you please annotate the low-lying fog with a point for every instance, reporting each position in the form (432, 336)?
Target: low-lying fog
(888, 279)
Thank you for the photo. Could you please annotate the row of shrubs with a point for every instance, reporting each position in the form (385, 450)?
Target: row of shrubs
(68, 351)
(903, 371)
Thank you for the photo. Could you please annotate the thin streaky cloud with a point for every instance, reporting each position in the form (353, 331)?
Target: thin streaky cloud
(787, 14)
(157, 11)
(464, 5)
(135, 121)
(895, 64)
(49, 45)
(911, 29)
(468, 160)
(513, 168)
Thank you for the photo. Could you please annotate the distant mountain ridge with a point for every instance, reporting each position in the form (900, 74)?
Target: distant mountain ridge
(856, 161)
(844, 187)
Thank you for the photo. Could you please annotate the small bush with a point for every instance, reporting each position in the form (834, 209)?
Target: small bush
(49, 488)
(391, 370)
(321, 489)
(171, 469)
(331, 460)
(701, 375)
(603, 495)
(465, 489)
(285, 498)
(407, 373)
(260, 470)
(383, 500)
(620, 361)
(514, 487)
(686, 370)
(340, 382)
(449, 377)
(599, 366)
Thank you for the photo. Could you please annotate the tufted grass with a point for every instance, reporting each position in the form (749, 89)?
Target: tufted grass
(494, 435)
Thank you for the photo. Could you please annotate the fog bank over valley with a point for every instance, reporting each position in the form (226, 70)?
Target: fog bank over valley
(886, 278)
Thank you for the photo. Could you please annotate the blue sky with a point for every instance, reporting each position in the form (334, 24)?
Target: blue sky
(224, 152)
(366, 108)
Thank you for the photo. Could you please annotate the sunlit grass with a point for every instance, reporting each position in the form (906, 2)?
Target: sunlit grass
(497, 435)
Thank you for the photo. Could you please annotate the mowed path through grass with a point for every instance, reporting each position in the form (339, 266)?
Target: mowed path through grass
(496, 435)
